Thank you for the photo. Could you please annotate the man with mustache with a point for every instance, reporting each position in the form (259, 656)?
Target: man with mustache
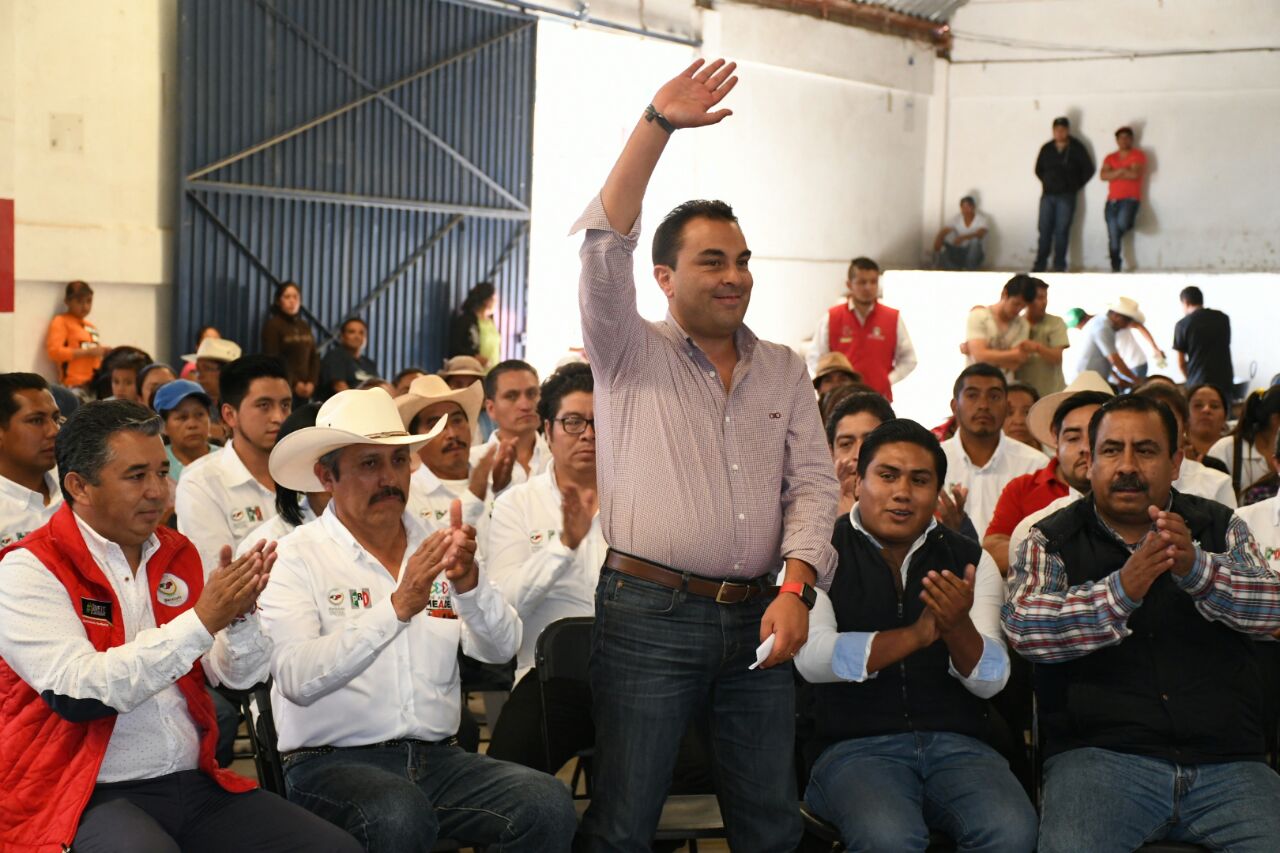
(981, 459)
(29, 419)
(108, 733)
(224, 495)
(1066, 474)
(1139, 606)
(368, 610)
(903, 653)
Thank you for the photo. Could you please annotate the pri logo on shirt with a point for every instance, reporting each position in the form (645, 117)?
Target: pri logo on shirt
(876, 334)
(172, 590)
(359, 598)
(249, 513)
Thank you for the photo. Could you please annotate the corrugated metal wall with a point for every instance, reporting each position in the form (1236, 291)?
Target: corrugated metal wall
(394, 205)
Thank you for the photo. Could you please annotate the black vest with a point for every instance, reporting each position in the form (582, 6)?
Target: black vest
(917, 693)
(1179, 687)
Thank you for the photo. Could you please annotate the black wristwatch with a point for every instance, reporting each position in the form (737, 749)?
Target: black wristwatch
(807, 594)
(651, 114)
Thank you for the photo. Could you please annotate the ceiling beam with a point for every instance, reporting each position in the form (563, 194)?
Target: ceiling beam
(868, 17)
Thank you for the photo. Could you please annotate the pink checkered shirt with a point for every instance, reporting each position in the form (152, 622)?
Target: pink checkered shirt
(720, 485)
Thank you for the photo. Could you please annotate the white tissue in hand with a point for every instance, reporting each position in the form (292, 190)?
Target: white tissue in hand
(763, 651)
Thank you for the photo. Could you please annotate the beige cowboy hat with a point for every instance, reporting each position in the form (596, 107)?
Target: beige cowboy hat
(462, 365)
(215, 349)
(429, 389)
(834, 362)
(1040, 416)
(1126, 307)
(346, 418)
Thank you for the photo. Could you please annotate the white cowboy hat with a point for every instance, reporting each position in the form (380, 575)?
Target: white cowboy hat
(215, 349)
(1040, 416)
(346, 418)
(430, 389)
(462, 365)
(1126, 307)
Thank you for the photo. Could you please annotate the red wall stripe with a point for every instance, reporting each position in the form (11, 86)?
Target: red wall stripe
(6, 256)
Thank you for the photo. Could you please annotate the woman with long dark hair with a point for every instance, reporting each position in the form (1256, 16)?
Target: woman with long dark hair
(1209, 410)
(472, 330)
(287, 336)
(1249, 447)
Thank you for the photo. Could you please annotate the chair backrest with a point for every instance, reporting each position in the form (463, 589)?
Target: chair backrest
(564, 649)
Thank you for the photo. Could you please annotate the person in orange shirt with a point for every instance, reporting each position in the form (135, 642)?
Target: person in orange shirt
(72, 341)
(1123, 169)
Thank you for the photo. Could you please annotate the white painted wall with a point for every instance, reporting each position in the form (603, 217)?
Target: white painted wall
(803, 158)
(97, 205)
(1208, 123)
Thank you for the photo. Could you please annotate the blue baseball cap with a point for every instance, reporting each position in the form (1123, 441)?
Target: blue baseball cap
(169, 395)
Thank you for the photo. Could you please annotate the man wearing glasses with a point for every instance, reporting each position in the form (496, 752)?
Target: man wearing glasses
(29, 420)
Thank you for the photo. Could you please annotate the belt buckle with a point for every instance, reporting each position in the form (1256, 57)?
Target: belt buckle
(724, 585)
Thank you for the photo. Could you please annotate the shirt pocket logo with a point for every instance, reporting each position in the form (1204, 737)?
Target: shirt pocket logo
(172, 590)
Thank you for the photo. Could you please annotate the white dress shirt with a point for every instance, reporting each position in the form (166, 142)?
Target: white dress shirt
(1011, 459)
(1254, 467)
(43, 639)
(430, 497)
(23, 511)
(542, 579)
(347, 671)
(1263, 519)
(830, 655)
(219, 502)
(274, 529)
(904, 354)
(537, 463)
(1198, 479)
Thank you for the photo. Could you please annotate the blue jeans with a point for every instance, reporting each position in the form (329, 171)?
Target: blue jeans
(887, 792)
(1099, 800)
(967, 256)
(401, 799)
(658, 657)
(1120, 214)
(1056, 212)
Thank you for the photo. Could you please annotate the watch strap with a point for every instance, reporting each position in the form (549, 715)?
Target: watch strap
(805, 592)
(651, 114)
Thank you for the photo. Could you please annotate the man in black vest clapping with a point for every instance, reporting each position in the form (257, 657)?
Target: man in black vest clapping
(903, 653)
(1139, 606)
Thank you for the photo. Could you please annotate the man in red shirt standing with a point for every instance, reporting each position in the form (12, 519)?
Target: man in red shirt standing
(871, 335)
(1123, 169)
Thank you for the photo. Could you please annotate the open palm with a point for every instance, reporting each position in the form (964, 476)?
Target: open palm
(688, 99)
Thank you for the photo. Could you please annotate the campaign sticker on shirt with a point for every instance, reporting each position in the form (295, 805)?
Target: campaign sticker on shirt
(538, 538)
(360, 598)
(337, 601)
(439, 604)
(172, 590)
(92, 610)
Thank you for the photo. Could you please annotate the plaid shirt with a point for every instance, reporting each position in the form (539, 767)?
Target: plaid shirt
(720, 485)
(1048, 621)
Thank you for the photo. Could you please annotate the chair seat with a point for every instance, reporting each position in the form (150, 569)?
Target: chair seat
(684, 816)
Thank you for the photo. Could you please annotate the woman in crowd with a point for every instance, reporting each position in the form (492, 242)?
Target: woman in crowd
(1208, 419)
(72, 341)
(472, 330)
(1245, 452)
(287, 335)
(117, 377)
(150, 378)
(184, 407)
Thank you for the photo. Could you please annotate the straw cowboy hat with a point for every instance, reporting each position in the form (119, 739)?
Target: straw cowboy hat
(429, 389)
(346, 418)
(462, 365)
(834, 362)
(1040, 416)
(215, 349)
(1126, 307)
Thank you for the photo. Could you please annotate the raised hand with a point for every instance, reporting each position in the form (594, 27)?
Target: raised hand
(1173, 531)
(460, 560)
(950, 598)
(504, 462)
(420, 572)
(479, 480)
(233, 588)
(687, 100)
(951, 506)
(1153, 557)
(578, 509)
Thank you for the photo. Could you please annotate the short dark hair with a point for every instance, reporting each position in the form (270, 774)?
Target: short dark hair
(288, 501)
(1024, 388)
(669, 237)
(568, 379)
(902, 430)
(237, 376)
(511, 365)
(855, 404)
(969, 199)
(1170, 396)
(861, 263)
(1022, 285)
(81, 446)
(1126, 129)
(1062, 121)
(1192, 295)
(1078, 400)
(979, 369)
(407, 371)
(1142, 405)
(10, 385)
(76, 289)
(350, 320)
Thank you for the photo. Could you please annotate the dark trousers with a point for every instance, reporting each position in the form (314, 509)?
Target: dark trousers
(189, 812)
(1056, 212)
(659, 659)
(1120, 214)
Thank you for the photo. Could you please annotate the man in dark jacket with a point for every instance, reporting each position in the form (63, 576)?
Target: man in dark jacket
(1063, 167)
(1140, 606)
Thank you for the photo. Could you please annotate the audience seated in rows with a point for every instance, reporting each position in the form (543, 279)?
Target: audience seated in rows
(1245, 451)
(149, 380)
(1263, 518)
(1020, 398)
(293, 509)
(210, 357)
(184, 408)
(1208, 422)
(511, 400)
(1192, 477)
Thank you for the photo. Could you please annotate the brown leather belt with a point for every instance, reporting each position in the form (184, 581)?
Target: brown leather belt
(723, 592)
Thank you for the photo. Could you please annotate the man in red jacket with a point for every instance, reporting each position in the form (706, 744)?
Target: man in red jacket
(107, 733)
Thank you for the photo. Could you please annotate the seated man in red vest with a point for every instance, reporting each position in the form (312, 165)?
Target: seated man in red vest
(107, 733)
(871, 335)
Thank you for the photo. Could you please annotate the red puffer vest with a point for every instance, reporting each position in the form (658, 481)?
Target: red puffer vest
(49, 764)
(870, 346)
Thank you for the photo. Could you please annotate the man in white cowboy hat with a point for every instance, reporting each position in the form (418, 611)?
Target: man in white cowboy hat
(1098, 349)
(447, 474)
(460, 372)
(210, 357)
(367, 612)
(1060, 421)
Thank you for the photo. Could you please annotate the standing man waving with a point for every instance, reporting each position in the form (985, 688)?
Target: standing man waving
(713, 473)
